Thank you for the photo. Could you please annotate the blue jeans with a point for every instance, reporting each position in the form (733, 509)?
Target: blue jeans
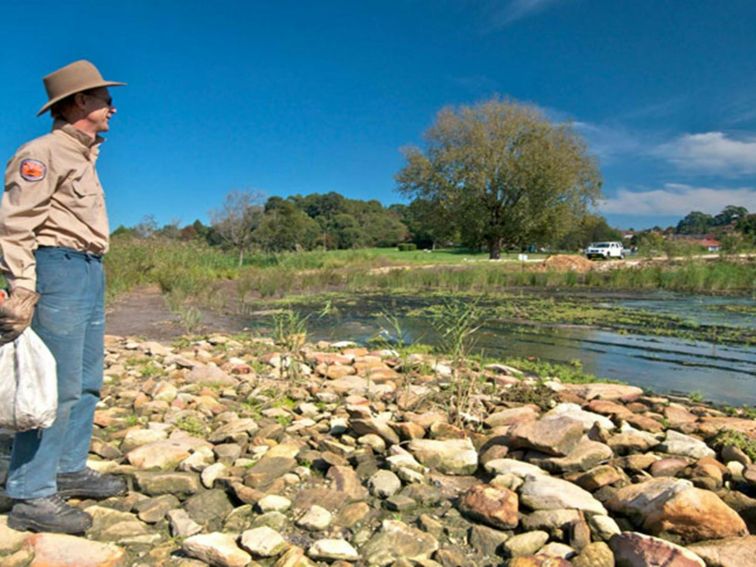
(70, 319)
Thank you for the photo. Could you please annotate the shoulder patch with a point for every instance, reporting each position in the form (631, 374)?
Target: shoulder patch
(33, 170)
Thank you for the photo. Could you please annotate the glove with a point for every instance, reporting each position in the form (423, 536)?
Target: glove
(16, 313)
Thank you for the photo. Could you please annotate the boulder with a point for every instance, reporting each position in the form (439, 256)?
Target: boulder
(632, 549)
(217, 549)
(396, 540)
(731, 552)
(450, 456)
(556, 436)
(496, 507)
(547, 493)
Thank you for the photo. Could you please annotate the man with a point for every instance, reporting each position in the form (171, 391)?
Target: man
(53, 233)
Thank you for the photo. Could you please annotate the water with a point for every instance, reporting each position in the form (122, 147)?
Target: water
(721, 373)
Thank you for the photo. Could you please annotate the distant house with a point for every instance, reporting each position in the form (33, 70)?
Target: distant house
(707, 241)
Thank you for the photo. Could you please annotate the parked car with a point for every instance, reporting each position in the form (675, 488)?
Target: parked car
(605, 250)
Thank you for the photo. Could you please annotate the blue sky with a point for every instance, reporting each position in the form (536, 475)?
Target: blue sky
(286, 97)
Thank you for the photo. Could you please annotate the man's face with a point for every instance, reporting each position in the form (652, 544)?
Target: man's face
(99, 108)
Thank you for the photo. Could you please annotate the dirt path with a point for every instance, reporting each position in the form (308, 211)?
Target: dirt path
(143, 313)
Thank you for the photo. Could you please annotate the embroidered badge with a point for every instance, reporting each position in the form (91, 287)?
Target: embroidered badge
(33, 170)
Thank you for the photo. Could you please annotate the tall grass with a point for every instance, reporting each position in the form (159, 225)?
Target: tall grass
(188, 270)
(183, 268)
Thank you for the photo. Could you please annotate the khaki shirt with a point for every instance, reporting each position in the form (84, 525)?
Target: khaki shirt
(52, 198)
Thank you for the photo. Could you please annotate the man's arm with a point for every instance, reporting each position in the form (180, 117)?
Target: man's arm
(29, 186)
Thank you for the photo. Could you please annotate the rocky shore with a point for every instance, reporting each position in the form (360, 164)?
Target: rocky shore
(238, 453)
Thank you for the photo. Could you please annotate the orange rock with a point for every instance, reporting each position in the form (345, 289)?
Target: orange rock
(58, 550)
(696, 515)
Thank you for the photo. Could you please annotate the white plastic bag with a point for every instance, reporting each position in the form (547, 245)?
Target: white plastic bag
(28, 384)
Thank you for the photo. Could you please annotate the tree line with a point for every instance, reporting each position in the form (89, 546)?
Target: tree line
(496, 176)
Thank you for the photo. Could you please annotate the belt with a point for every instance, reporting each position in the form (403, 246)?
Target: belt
(70, 252)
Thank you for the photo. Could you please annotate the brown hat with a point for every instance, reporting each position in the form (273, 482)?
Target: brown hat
(73, 78)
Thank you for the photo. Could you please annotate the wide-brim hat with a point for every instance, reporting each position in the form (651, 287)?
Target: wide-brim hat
(73, 78)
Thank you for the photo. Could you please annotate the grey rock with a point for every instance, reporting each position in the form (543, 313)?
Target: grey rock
(546, 493)
(527, 543)
(449, 456)
(263, 542)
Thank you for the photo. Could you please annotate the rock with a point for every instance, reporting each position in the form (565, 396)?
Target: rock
(598, 477)
(375, 426)
(603, 526)
(642, 499)
(212, 473)
(668, 467)
(632, 549)
(685, 445)
(513, 466)
(492, 506)
(10, 539)
(396, 540)
(400, 503)
(586, 455)
(345, 480)
(512, 416)
(597, 554)
(176, 483)
(587, 418)
(556, 549)
(216, 549)
(59, 550)
(138, 437)
(552, 521)
(487, 541)
(263, 542)
(268, 470)
(113, 525)
(538, 561)
(673, 506)
(235, 431)
(181, 524)
(733, 552)
(527, 543)
(384, 483)
(333, 549)
(294, 557)
(163, 455)
(546, 493)
(450, 456)
(152, 510)
(604, 391)
(677, 415)
(733, 453)
(315, 519)
(209, 508)
(632, 441)
(210, 375)
(273, 503)
(556, 436)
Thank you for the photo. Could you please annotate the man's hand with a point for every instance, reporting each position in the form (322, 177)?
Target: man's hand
(16, 313)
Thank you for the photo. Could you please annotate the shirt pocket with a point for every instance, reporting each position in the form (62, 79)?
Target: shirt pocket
(85, 189)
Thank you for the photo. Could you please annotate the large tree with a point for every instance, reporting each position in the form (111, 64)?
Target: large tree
(507, 175)
(237, 219)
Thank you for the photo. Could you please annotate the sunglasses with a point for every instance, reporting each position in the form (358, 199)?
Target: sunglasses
(108, 100)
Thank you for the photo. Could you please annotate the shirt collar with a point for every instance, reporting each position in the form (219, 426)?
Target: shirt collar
(81, 137)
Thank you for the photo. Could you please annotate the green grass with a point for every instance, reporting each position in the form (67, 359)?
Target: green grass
(194, 271)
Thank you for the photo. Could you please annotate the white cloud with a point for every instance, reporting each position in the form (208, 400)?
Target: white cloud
(516, 10)
(678, 199)
(711, 152)
(607, 141)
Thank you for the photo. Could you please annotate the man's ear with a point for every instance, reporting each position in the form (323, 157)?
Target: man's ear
(80, 100)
